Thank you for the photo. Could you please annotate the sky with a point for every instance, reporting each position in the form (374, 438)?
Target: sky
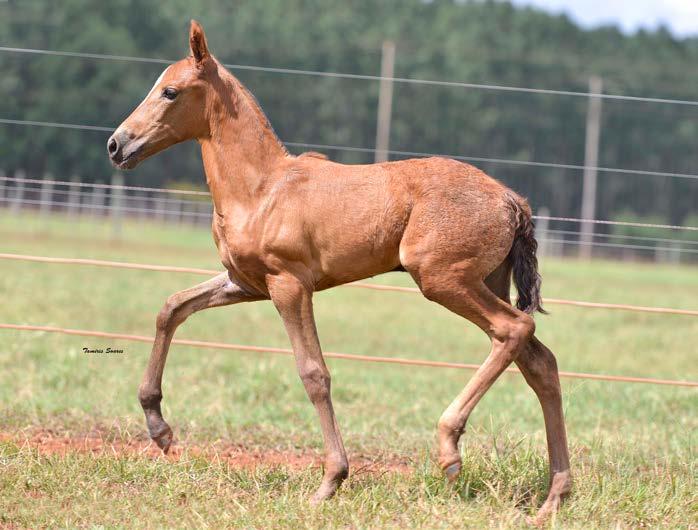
(680, 16)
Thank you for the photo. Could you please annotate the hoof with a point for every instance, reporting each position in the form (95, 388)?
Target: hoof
(452, 471)
(550, 507)
(561, 484)
(329, 486)
(324, 493)
(163, 438)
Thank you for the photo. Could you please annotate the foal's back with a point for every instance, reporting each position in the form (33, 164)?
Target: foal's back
(362, 220)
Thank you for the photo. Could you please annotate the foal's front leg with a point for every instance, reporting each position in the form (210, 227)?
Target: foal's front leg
(217, 291)
(294, 302)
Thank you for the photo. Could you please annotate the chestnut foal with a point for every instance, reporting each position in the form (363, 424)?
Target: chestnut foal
(286, 226)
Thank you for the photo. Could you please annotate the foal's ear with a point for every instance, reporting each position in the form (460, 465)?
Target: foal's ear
(197, 43)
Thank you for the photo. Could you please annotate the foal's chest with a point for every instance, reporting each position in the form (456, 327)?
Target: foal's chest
(240, 254)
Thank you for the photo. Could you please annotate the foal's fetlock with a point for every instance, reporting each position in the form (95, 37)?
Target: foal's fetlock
(158, 429)
(561, 482)
(560, 486)
(334, 475)
(449, 458)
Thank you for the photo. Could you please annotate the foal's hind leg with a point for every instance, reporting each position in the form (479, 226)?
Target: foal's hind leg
(508, 328)
(539, 367)
(218, 291)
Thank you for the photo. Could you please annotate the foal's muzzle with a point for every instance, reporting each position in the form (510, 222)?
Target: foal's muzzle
(123, 150)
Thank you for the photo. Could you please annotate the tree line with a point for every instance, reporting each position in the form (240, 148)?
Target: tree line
(484, 42)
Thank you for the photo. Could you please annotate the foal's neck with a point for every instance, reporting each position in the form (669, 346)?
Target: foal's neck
(242, 152)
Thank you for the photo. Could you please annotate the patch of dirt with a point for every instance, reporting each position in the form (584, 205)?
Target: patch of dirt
(237, 456)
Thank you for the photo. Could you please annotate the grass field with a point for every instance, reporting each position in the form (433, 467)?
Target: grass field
(633, 446)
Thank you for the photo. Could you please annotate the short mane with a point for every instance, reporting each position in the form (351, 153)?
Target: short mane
(255, 106)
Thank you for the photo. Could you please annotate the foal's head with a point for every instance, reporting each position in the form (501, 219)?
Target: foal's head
(176, 108)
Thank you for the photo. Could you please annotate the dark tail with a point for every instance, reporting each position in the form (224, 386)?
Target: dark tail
(522, 257)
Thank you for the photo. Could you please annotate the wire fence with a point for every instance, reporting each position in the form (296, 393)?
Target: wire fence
(77, 199)
(112, 201)
(404, 80)
(78, 184)
(337, 355)
(397, 153)
(157, 202)
(361, 285)
(616, 245)
(364, 77)
(177, 211)
(345, 356)
(74, 206)
(102, 186)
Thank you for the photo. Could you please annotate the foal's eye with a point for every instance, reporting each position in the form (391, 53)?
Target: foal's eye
(169, 93)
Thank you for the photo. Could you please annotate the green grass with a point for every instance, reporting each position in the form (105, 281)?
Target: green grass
(633, 446)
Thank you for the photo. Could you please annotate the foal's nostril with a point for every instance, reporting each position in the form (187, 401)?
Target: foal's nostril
(112, 146)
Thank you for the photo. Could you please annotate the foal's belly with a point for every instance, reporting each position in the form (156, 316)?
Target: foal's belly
(355, 254)
(332, 262)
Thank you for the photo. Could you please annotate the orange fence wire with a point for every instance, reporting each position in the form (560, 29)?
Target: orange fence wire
(335, 355)
(362, 285)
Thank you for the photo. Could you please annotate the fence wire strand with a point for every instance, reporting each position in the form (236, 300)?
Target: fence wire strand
(336, 355)
(205, 193)
(327, 147)
(70, 183)
(361, 285)
(616, 223)
(363, 77)
(103, 207)
(364, 358)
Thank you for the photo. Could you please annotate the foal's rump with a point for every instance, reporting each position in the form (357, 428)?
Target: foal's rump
(464, 220)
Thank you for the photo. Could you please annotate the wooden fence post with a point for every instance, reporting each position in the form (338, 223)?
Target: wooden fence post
(591, 161)
(18, 197)
(542, 235)
(74, 196)
(97, 202)
(385, 102)
(46, 198)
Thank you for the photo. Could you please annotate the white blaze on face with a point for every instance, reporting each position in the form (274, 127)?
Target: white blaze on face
(147, 97)
(157, 82)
